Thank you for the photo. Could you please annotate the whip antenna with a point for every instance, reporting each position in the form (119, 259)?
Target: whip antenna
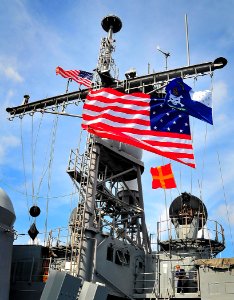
(187, 40)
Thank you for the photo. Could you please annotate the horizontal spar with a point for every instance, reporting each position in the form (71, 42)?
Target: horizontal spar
(142, 82)
(47, 102)
(129, 85)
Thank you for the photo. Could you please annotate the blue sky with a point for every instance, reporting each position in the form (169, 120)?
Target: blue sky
(37, 36)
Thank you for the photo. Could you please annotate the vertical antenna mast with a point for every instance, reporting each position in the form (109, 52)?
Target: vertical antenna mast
(187, 40)
(111, 24)
(166, 54)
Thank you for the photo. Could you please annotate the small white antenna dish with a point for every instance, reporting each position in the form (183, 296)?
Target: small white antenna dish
(166, 54)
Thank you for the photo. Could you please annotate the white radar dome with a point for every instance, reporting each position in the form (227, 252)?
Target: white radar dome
(7, 213)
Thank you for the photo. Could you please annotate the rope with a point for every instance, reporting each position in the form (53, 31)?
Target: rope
(49, 173)
(203, 162)
(34, 151)
(222, 181)
(45, 168)
(225, 199)
(37, 134)
(200, 182)
(191, 171)
(32, 162)
(22, 151)
(38, 197)
(68, 223)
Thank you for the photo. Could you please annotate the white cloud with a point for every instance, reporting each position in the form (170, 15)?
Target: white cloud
(220, 92)
(11, 141)
(205, 135)
(7, 142)
(9, 69)
(226, 212)
(10, 94)
(11, 73)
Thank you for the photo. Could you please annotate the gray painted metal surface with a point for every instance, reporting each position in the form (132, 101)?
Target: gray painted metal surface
(61, 286)
(92, 291)
(216, 283)
(7, 219)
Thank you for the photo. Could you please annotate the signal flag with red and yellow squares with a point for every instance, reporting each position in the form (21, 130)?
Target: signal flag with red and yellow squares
(163, 177)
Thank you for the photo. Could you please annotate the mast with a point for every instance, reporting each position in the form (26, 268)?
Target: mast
(109, 184)
(111, 24)
(187, 40)
(107, 173)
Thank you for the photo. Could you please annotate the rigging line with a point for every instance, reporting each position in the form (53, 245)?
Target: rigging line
(80, 138)
(192, 132)
(167, 215)
(38, 197)
(32, 162)
(159, 88)
(49, 173)
(34, 146)
(167, 219)
(165, 197)
(191, 171)
(38, 130)
(41, 180)
(201, 182)
(178, 191)
(25, 180)
(171, 198)
(45, 168)
(204, 155)
(59, 113)
(54, 230)
(37, 134)
(221, 175)
(203, 225)
(180, 177)
(68, 223)
(205, 144)
(225, 199)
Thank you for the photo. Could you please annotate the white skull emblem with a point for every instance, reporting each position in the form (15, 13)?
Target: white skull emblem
(175, 100)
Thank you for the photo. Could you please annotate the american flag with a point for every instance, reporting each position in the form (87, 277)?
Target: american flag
(79, 76)
(138, 120)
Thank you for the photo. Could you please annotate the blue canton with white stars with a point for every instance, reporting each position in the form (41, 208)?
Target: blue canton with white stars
(85, 74)
(164, 118)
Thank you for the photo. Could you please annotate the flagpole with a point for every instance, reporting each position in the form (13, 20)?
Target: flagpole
(69, 79)
(187, 40)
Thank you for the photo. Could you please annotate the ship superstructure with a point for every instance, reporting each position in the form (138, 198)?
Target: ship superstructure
(109, 250)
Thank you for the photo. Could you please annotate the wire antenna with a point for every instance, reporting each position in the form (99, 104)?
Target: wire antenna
(187, 40)
(166, 54)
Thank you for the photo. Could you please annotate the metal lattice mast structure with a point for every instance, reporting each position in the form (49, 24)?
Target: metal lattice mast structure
(83, 227)
(96, 199)
(83, 170)
(111, 24)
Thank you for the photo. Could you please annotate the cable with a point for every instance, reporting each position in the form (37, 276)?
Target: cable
(22, 151)
(49, 173)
